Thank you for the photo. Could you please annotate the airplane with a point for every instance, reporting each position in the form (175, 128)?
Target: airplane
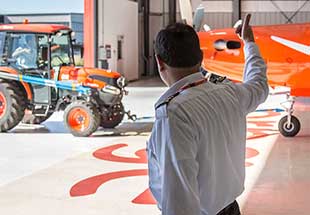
(284, 47)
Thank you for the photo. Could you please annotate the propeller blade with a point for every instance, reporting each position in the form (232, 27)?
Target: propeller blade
(198, 17)
(186, 11)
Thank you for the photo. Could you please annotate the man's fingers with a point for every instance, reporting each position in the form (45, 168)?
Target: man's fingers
(238, 29)
(246, 21)
(244, 30)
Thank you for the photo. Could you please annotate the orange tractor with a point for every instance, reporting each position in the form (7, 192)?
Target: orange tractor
(38, 76)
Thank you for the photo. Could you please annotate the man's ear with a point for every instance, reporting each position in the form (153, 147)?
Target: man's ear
(160, 63)
(201, 56)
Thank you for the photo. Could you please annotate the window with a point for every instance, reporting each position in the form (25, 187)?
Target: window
(61, 50)
(23, 50)
(2, 50)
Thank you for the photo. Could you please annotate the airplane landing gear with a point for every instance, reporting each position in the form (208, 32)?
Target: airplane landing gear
(289, 128)
(289, 125)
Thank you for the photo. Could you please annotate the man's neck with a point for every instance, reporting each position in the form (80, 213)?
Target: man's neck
(177, 74)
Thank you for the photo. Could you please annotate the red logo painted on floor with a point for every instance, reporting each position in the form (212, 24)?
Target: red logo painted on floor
(90, 185)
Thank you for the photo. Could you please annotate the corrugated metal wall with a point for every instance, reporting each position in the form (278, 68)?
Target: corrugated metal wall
(218, 20)
(218, 14)
(265, 12)
(266, 18)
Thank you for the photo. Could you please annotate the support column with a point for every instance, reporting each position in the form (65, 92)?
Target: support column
(236, 13)
(172, 11)
(95, 11)
(144, 32)
(90, 33)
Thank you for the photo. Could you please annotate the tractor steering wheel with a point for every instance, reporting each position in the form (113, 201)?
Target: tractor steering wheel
(59, 59)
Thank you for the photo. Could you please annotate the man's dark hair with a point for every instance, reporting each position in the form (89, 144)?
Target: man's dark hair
(178, 46)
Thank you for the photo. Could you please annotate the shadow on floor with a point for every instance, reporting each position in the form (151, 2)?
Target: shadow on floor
(57, 127)
(127, 129)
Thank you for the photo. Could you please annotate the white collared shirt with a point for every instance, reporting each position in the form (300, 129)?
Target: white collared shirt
(196, 151)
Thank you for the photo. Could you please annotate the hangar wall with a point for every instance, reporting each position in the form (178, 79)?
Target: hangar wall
(218, 14)
(277, 12)
(118, 27)
(111, 36)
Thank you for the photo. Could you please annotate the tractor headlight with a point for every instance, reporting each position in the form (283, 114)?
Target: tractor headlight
(121, 82)
(111, 90)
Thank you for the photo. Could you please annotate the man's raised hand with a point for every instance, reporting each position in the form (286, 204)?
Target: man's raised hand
(245, 30)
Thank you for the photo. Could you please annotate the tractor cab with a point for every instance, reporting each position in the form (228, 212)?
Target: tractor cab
(61, 52)
(39, 54)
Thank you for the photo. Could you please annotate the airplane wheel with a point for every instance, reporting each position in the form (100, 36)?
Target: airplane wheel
(289, 130)
(12, 105)
(81, 118)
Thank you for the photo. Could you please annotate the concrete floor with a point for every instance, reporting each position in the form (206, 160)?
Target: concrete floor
(45, 170)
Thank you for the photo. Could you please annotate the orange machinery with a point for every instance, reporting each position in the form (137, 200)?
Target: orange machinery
(38, 74)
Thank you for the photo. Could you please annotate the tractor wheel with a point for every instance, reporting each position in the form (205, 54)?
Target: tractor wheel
(81, 118)
(12, 105)
(35, 120)
(289, 130)
(113, 116)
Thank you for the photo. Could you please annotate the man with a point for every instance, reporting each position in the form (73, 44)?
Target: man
(26, 53)
(196, 151)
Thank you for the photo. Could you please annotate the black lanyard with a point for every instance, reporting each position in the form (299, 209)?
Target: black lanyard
(194, 84)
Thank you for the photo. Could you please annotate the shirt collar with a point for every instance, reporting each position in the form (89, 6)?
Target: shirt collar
(179, 84)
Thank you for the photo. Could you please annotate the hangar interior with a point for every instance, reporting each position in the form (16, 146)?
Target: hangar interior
(46, 170)
(128, 27)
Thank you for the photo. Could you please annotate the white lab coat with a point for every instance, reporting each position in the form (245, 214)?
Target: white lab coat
(196, 151)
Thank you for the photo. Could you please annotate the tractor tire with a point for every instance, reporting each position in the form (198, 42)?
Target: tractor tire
(81, 118)
(113, 116)
(289, 130)
(12, 105)
(35, 120)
